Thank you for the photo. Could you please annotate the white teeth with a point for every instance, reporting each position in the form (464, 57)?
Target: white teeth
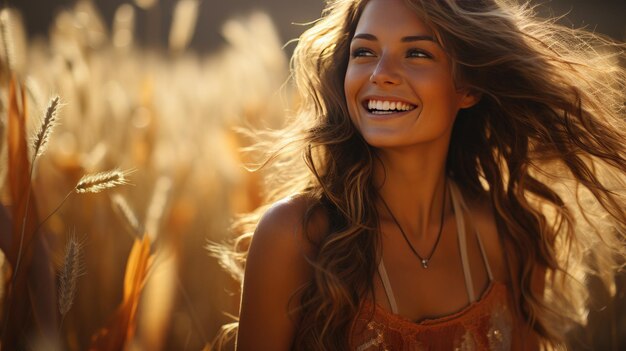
(386, 105)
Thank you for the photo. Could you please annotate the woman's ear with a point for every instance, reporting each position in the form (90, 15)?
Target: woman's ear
(469, 98)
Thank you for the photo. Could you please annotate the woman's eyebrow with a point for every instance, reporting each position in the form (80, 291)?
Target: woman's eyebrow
(418, 38)
(365, 36)
(412, 38)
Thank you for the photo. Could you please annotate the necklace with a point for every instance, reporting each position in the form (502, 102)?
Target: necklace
(423, 260)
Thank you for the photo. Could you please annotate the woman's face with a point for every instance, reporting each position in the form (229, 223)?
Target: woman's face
(399, 85)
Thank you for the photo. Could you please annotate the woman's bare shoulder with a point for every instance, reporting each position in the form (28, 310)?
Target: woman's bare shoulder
(277, 268)
(280, 238)
(284, 221)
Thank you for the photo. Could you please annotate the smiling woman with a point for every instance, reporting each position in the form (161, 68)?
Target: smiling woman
(463, 170)
(395, 59)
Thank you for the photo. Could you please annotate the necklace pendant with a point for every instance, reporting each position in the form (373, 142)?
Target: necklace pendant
(425, 263)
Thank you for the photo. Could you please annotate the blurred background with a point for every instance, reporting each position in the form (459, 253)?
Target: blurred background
(158, 89)
(604, 16)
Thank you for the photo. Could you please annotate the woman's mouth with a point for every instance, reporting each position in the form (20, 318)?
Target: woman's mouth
(385, 107)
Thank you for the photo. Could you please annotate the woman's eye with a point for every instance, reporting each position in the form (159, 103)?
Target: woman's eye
(362, 52)
(418, 54)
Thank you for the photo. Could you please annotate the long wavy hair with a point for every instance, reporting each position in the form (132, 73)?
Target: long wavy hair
(546, 140)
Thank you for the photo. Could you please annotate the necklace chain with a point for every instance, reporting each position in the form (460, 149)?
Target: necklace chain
(424, 260)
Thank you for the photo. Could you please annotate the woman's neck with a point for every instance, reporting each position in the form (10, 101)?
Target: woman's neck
(412, 183)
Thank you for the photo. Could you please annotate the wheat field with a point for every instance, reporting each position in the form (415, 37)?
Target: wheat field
(129, 158)
(119, 164)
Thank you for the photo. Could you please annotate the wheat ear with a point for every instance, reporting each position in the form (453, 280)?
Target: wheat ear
(70, 271)
(39, 143)
(91, 183)
(95, 183)
(49, 121)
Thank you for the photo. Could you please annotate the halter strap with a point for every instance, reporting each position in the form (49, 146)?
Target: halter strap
(478, 237)
(460, 227)
(387, 286)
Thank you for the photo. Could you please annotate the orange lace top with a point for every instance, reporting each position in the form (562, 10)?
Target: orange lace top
(484, 324)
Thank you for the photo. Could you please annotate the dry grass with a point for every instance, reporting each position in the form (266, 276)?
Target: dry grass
(124, 210)
(169, 116)
(69, 273)
(47, 125)
(95, 183)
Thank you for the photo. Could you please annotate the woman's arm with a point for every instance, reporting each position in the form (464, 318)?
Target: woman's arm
(276, 267)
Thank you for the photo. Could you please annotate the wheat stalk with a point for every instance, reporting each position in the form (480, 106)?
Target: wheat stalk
(3, 273)
(95, 183)
(7, 38)
(3, 155)
(70, 271)
(145, 4)
(39, 145)
(45, 130)
(183, 24)
(34, 91)
(155, 210)
(123, 208)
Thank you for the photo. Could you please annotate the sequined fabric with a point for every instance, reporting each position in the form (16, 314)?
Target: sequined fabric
(483, 325)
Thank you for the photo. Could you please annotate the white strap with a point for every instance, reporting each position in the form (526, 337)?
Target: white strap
(387, 286)
(480, 242)
(458, 213)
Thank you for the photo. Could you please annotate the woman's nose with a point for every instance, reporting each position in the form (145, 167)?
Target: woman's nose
(385, 72)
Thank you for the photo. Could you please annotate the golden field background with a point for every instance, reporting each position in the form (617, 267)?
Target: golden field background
(166, 118)
(135, 254)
